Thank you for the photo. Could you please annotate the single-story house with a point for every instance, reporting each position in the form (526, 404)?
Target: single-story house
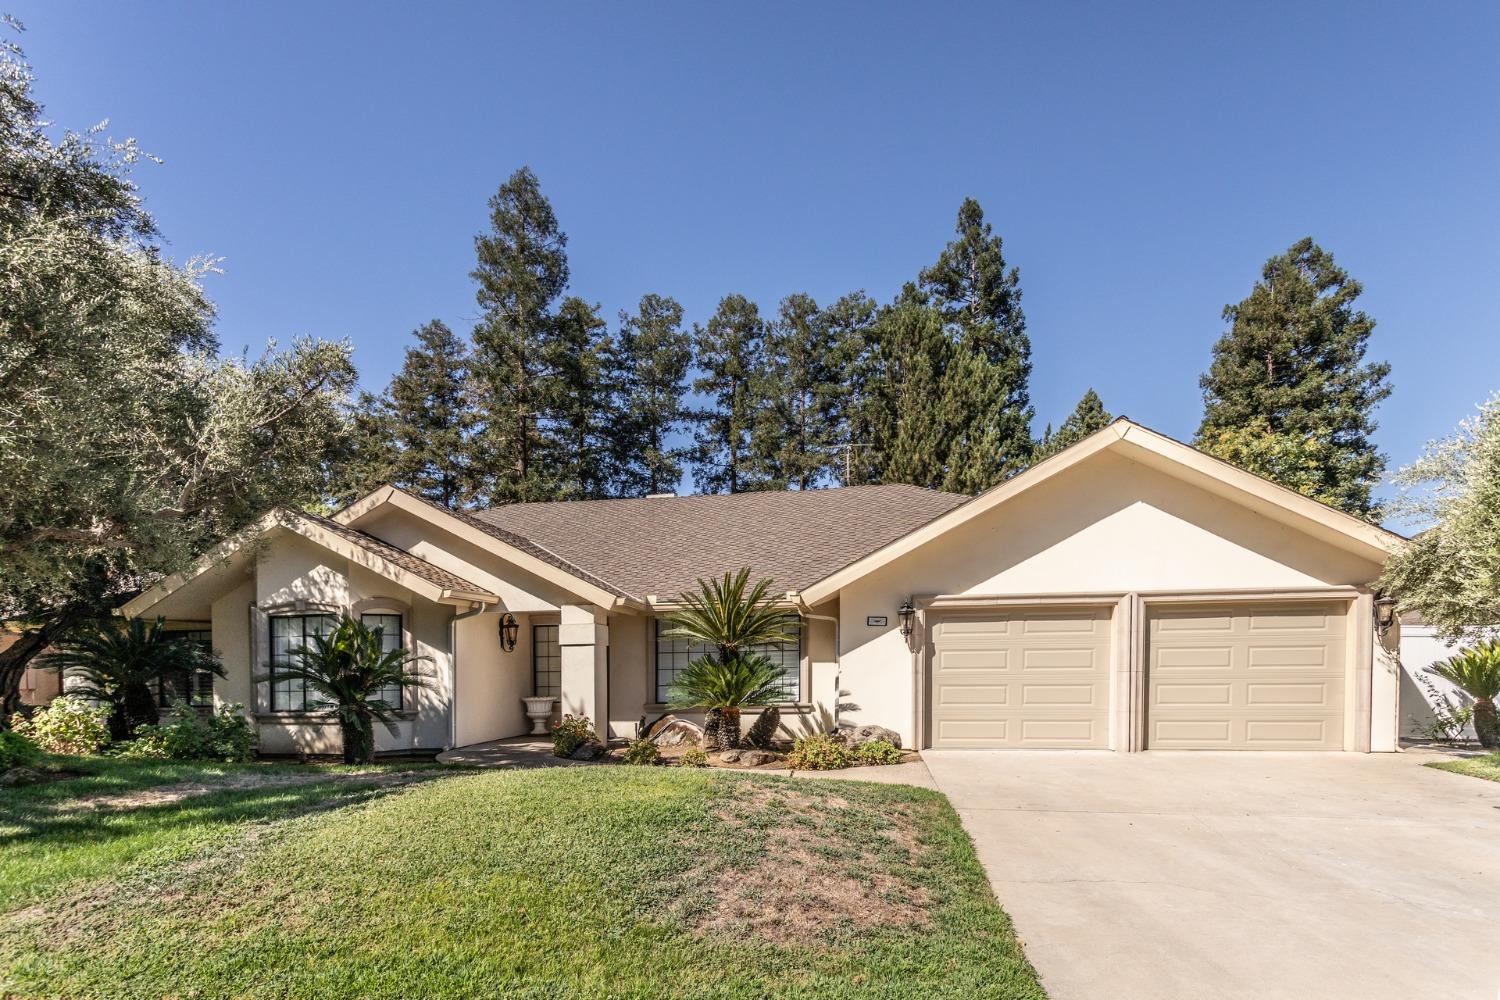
(1128, 593)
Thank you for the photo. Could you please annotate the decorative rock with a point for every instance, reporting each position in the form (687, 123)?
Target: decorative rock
(19, 776)
(672, 731)
(868, 734)
(589, 751)
(730, 757)
(755, 758)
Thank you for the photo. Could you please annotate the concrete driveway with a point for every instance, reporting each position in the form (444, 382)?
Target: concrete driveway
(1221, 875)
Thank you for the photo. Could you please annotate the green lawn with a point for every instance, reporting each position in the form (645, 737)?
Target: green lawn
(1477, 767)
(560, 882)
(59, 835)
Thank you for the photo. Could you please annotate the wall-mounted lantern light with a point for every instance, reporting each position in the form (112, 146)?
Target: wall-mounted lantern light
(1385, 614)
(908, 614)
(509, 629)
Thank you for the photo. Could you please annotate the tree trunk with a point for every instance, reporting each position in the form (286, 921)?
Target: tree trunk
(137, 707)
(15, 659)
(711, 724)
(729, 728)
(359, 741)
(1485, 723)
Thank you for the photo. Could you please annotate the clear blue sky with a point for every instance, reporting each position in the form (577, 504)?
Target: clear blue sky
(1141, 162)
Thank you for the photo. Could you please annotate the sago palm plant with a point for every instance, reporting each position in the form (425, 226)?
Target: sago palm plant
(733, 617)
(1476, 671)
(346, 670)
(118, 663)
(723, 687)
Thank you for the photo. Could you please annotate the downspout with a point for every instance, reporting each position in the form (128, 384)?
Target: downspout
(453, 671)
(838, 651)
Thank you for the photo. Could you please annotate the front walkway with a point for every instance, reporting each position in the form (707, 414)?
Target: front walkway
(1162, 875)
(534, 751)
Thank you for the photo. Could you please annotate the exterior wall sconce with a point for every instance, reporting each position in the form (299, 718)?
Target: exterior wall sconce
(907, 613)
(1385, 614)
(509, 630)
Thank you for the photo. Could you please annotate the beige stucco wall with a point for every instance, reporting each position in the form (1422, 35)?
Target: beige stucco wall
(1107, 526)
(491, 683)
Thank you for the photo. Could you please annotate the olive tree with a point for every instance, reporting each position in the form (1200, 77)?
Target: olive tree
(1450, 571)
(127, 444)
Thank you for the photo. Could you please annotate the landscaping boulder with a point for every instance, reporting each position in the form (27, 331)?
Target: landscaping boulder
(868, 734)
(672, 731)
(589, 751)
(729, 757)
(755, 758)
(19, 776)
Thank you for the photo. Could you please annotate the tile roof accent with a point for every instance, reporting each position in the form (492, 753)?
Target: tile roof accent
(662, 545)
(400, 558)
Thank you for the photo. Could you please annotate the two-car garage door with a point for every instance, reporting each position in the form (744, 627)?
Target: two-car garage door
(1230, 676)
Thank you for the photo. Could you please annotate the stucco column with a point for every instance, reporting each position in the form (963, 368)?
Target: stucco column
(584, 637)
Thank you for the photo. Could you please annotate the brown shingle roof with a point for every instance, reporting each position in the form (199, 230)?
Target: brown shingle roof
(414, 565)
(662, 545)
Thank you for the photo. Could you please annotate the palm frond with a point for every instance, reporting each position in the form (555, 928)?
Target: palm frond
(724, 614)
(1476, 670)
(711, 682)
(348, 668)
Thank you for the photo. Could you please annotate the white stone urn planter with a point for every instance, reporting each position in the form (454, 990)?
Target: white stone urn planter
(539, 710)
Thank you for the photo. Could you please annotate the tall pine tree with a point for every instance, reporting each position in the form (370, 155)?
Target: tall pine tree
(799, 394)
(730, 354)
(574, 403)
(522, 271)
(422, 425)
(649, 367)
(896, 422)
(1289, 393)
(1087, 417)
(986, 393)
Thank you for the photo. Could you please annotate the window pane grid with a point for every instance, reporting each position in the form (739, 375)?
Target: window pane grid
(546, 662)
(389, 626)
(673, 654)
(288, 633)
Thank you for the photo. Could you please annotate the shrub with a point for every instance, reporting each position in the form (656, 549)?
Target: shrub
(67, 725)
(877, 752)
(693, 757)
(17, 751)
(643, 752)
(570, 734)
(819, 752)
(1449, 719)
(225, 735)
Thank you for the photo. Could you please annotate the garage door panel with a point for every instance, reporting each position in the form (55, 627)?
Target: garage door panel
(963, 694)
(1288, 695)
(1061, 659)
(1169, 695)
(1287, 657)
(1058, 694)
(1051, 733)
(1272, 679)
(1028, 677)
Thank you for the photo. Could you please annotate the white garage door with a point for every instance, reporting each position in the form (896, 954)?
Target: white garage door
(1246, 677)
(1025, 678)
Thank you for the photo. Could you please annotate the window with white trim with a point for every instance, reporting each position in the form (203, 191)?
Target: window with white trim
(288, 634)
(546, 662)
(673, 654)
(388, 624)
